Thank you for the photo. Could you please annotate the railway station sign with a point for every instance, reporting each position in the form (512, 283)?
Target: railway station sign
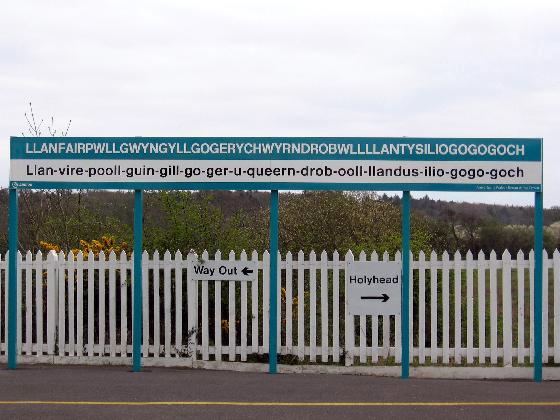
(373, 287)
(284, 163)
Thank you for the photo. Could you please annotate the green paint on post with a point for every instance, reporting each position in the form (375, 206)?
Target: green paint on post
(405, 327)
(12, 279)
(538, 297)
(273, 319)
(137, 313)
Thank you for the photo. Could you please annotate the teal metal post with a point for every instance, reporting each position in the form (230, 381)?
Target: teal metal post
(405, 327)
(12, 278)
(273, 320)
(537, 319)
(137, 313)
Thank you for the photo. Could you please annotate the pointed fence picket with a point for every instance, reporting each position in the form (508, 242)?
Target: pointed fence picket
(397, 318)
(556, 304)
(421, 307)
(481, 294)
(301, 309)
(336, 308)
(61, 305)
(312, 307)
(386, 324)
(90, 303)
(80, 304)
(255, 310)
(112, 305)
(124, 265)
(433, 308)
(545, 307)
(520, 271)
(265, 299)
(145, 307)
(71, 308)
(218, 314)
(178, 303)
(507, 340)
(4, 271)
(205, 333)
(52, 261)
(28, 303)
(465, 308)
(19, 294)
(493, 309)
(243, 331)
(38, 303)
(531, 306)
(362, 320)
(289, 302)
(192, 310)
(374, 327)
(445, 306)
(349, 339)
(156, 302)
(457, 273)
(470, 326)
(232, 317)
(5, 266)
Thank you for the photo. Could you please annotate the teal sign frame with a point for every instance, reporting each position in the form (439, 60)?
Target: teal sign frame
(337, 163)
(276, 163)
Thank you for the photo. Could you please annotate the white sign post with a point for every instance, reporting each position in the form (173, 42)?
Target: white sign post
(223, 270)
(373, 287)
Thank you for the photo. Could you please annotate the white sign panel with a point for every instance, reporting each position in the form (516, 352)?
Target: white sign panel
(290, 171)
(223, 270)
(292, 163)
(373, 287)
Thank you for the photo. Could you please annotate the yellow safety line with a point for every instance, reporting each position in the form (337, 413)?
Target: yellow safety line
(297, 404)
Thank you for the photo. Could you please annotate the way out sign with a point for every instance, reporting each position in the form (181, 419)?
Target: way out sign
(223, 270)
(373, 287)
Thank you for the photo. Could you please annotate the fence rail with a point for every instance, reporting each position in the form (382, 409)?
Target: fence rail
(466, 310)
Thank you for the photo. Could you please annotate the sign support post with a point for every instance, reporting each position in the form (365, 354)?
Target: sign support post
(137, 312)
(538, 297)
(12, 279)
(405, 327)
(273, 321)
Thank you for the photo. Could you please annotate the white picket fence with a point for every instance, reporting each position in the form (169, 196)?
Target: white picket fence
(465, 310)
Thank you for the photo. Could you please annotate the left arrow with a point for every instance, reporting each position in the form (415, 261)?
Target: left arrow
(246, 271)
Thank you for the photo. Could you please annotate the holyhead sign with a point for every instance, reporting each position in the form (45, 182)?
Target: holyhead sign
(373, 287)
(285, 163)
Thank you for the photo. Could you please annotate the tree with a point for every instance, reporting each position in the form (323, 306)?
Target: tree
(50, 214)
(192, 222)
(34, 127)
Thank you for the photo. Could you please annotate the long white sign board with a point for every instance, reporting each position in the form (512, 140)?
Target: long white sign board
(223, 270)
(283, 163)
(373, 287)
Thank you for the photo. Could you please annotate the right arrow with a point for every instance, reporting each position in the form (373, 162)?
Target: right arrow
(384, 297)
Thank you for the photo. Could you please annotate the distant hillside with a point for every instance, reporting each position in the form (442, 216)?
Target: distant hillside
(230, 219)
(231, 202)
(508, 215)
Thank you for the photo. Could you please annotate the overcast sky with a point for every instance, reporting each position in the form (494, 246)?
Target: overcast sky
(287, 68)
